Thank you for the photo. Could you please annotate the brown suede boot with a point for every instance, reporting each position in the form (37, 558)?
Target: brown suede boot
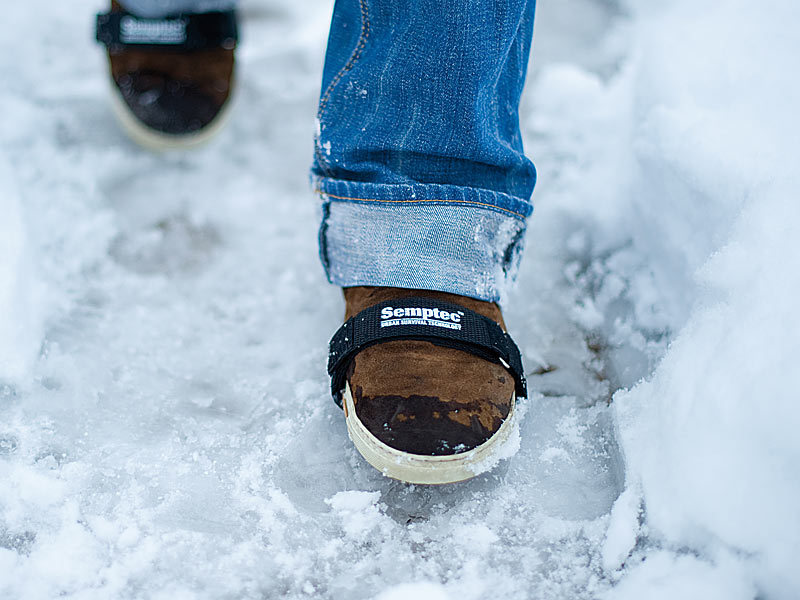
(169, 96)
(425, 413)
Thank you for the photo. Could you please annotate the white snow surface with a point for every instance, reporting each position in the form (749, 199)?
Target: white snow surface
(166, 429)
(20, 320)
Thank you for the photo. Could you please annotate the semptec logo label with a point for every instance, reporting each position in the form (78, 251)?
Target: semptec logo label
(143, 31)
(432, 317)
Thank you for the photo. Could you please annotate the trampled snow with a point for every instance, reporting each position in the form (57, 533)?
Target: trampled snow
(165, 424)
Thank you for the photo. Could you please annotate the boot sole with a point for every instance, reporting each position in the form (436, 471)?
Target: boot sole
(419, 469)
(158, 141)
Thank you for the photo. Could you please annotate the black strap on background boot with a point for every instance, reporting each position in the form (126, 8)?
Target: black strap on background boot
(182, 32)
(425, 319)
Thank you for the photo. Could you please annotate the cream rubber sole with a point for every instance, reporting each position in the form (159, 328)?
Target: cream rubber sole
(415, 468)
(161, 142)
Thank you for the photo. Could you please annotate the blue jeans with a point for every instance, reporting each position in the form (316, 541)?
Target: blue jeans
(418, 154)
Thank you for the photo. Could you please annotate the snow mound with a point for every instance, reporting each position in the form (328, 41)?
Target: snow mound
(711, 440)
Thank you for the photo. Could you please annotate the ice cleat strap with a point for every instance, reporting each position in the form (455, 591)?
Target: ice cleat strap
(424, 319)
(118, 29)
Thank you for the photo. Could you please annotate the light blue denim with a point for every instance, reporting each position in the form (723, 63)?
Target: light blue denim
(418, 153)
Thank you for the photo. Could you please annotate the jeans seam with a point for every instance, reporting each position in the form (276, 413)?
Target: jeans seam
(354, 57)
(423, 201)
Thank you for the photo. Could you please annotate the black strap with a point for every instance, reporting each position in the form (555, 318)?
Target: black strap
(440, 323)
(182, 32)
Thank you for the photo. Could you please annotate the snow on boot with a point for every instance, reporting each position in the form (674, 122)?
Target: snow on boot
(171, 77)
(428, 382)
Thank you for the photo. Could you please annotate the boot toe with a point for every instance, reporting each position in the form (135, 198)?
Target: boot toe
(167, 105)
(428, 400)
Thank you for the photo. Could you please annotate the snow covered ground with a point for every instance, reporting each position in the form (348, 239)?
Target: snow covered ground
(165, 424)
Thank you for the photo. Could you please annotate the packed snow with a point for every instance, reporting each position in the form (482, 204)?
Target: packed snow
(166, 429)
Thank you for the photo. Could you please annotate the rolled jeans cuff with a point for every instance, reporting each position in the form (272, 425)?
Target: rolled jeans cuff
(448, 238)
